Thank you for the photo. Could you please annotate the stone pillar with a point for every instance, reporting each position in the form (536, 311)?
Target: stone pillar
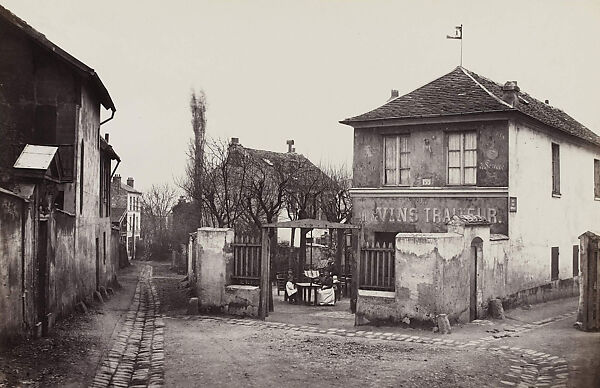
(213, 256)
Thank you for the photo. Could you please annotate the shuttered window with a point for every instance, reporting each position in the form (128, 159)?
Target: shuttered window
(462, 158)
(554, 264)
(555, 169)
(575, 260)
(396, 160)
(596, 178)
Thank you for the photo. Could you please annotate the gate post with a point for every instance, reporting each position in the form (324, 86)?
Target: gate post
(263, 307)
(590, 277)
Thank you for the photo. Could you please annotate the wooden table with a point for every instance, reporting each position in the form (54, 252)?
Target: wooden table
(305, 290)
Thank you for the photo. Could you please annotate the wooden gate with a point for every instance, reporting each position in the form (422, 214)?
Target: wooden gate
(246, 260)
(377, 267)
(590, 270)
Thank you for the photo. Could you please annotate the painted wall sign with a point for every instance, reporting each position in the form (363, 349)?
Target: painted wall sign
(426, 215)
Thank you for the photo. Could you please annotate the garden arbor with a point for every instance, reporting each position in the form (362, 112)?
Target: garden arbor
(305, 226)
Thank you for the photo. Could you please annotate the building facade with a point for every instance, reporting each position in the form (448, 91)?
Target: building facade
(127, 205)
(50, 103)
(465, 145)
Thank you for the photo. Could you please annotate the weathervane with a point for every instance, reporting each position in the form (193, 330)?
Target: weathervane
(457, 35)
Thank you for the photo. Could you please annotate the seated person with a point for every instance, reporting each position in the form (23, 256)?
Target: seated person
(326, 295)
(290, 290)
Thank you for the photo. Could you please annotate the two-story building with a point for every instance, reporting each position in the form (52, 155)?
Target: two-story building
(126, 203)
(465, 145)
(55, 172)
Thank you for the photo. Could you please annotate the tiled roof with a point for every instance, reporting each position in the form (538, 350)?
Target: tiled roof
(463, 92)
(41, 40)
(129, 189)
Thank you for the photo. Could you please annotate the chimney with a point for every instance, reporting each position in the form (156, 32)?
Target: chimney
(547, 102)
(235, 141)
(394, 94)
(106, 137)
(117, 180)
(290, 144)
(181, 199)
(510, 92)
(130, 181)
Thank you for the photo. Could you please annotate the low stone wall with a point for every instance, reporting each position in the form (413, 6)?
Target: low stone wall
(241, 300)
(563, 288)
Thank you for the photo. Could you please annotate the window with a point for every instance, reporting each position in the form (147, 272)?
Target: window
(596, 178)
(462, 158)
(555, 169)
(575, 260)
(396, 160)
(554, 264)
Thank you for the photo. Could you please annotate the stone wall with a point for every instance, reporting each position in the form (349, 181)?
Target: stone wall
(210, 269)
(433, 276)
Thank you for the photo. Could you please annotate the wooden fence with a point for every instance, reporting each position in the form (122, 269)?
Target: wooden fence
(246, 260)
(377, 267)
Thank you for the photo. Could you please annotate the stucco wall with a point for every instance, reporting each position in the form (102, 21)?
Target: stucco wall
(213, 255)
(427, 145)
(543, 221)
(433, 277)
(11, 267)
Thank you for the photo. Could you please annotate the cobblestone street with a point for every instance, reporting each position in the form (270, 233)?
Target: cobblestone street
(137, 357)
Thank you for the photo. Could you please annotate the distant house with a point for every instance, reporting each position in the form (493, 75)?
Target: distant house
(463, 145)
(56, 246)
(126, 206)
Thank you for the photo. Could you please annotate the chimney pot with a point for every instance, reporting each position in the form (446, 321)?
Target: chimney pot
(290, 144)
(235, 140)
(106, 137)
(510, 92)
(117, 179)
(395, 93)
(130, 181)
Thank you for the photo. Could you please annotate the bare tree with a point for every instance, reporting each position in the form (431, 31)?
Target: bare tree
(217, 184)
(156, 206)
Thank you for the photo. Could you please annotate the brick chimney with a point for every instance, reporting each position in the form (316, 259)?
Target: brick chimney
(234, 141)
(510, 93)
(117, 180)
(106, 137)
(130, 181)
(394, 94)
(290, 144)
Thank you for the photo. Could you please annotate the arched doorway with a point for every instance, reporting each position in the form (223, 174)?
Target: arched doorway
(476, 256)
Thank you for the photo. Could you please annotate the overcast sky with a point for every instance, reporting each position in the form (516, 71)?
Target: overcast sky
(278, 70)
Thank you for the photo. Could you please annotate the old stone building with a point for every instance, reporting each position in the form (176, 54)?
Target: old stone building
(467, 146)
(56, 245)
(126, 208)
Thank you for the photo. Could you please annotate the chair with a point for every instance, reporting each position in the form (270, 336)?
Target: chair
(281, 280)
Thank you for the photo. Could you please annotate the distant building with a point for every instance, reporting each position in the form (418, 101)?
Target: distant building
(56, 245)
(126, 205)
(465, 145)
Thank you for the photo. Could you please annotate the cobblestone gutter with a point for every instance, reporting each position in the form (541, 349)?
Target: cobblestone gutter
(137, 357)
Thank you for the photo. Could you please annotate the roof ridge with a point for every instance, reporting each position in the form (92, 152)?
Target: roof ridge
(484, 88)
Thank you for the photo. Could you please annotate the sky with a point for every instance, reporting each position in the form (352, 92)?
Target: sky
(278, 70)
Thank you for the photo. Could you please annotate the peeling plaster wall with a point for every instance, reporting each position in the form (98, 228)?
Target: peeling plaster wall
(11, 268)
(433, 277)
(210, 270)
(213, 254)
(541, 220)
(427, 145)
